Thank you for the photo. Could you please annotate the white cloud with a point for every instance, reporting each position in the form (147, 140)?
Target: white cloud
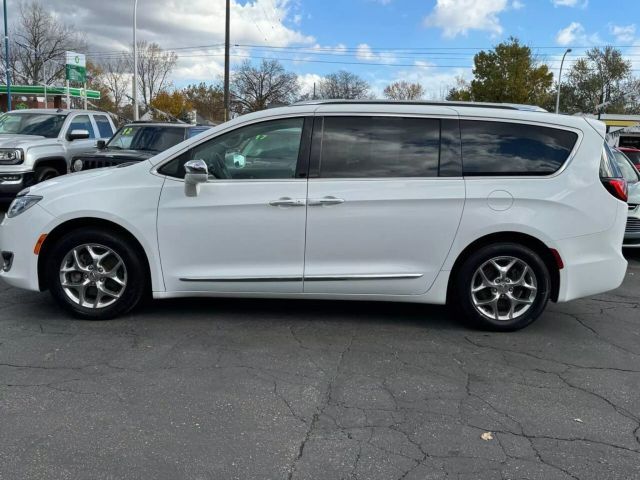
(570, 3)
(306, 82)
(517, 5)
(364, 52)
(575, 34)
(623, 33)
(458, 17)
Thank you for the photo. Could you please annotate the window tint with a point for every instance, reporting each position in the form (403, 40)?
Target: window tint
(627, 169)
(104, 127)
(500, 148)
(356, 147)
(266, 150)
(82, 122)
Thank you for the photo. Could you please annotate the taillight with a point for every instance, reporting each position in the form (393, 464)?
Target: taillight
(617, 187)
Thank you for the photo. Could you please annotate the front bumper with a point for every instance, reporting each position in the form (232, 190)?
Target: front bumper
(12, 182)
(18, 236)
(632, 232)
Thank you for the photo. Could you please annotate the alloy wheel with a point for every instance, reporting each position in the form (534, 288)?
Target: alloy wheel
(93, 276)
(503, 288)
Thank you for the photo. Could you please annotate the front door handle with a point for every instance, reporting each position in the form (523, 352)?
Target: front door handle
(287, 202)
(325, 201)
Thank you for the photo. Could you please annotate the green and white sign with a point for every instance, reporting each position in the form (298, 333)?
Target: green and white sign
(76, 67)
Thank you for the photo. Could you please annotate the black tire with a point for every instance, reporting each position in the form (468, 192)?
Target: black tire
(45, 173)
(136, 275)
(468, 276)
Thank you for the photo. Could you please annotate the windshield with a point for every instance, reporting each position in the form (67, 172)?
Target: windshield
(146, 137)
(629, 172)
(44, 124)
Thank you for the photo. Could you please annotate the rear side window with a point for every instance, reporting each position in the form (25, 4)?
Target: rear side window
(104, 127)
(502, 148)
(374, 147)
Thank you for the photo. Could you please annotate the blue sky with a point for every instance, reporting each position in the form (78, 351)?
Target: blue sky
(438, 37)
(451, 31)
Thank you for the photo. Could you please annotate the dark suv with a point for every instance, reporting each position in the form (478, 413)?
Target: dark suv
(135, 142)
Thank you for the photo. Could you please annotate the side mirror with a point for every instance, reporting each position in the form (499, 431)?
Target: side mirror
(196, 173)
(78, 135)
(101, 144)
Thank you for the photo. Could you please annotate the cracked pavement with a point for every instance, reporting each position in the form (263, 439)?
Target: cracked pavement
(244, 389)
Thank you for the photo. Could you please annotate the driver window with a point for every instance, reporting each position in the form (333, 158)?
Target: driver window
(267, 150)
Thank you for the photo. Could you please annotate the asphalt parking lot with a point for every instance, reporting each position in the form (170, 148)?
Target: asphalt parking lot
(243, 389)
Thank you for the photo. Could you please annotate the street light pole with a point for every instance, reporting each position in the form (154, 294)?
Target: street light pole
(226, 60)
(6, 56)
(560, 81)
(135, 61)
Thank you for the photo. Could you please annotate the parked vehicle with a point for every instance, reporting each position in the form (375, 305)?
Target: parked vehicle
(135, 142)
(631, 175)
(38, 144)
(495, 210)
(633, 154)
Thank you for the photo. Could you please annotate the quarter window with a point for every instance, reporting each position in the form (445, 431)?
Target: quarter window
(361, 147)
(501, 148)
(82, 122)
(267, 150)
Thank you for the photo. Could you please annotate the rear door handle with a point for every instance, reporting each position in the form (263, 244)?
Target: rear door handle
(287, 202)
(325, 201)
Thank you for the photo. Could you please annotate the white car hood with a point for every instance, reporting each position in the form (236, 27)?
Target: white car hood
(83, 180)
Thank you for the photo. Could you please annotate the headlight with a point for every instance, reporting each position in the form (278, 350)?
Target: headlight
(22, 204)
(11, 156)
(77, 165)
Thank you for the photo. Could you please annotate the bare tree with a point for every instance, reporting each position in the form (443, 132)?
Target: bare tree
(344, 85)
(154, 67)
(114, 75)
(39, 43)
(256, 88)
(403, 90)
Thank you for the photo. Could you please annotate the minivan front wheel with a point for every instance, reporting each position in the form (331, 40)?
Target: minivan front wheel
(504, 286)
(95, 274)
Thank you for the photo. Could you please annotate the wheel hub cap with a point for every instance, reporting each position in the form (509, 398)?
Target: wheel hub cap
(93, 276)
(503, 288)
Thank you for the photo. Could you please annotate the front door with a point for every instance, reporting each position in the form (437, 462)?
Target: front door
(244, 232)
(80, 122)
(381, 219)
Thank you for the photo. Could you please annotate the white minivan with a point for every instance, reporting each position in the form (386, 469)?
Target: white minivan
(489, 208)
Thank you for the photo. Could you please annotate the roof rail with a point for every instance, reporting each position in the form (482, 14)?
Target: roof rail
(443, 103)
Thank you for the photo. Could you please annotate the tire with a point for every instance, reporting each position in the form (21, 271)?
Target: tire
(501, 287)
(105, 278)
(45, 173)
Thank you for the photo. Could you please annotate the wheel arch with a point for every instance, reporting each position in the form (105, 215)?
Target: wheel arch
(535, 244)
(85, 222)
(59, 163)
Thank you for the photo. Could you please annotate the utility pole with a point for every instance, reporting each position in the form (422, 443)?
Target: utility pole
(135, 61)
(6, 56)
(226, 61)
(560, 81)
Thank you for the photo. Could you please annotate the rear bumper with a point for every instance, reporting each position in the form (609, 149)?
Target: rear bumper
(594, 264)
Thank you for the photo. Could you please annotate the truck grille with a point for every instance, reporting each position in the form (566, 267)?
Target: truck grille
(89, 164)
(633, 225)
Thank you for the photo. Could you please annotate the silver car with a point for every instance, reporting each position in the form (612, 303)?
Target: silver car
(631, 175)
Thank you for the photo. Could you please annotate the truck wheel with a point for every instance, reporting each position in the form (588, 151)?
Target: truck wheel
(45, 173)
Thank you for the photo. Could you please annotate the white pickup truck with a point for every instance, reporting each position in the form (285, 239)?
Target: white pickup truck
(38, 144)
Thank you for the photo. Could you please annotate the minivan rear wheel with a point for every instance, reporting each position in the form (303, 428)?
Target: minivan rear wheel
(503, 286)
(95, 274)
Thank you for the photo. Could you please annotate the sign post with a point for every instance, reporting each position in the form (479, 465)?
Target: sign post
(76, 71)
